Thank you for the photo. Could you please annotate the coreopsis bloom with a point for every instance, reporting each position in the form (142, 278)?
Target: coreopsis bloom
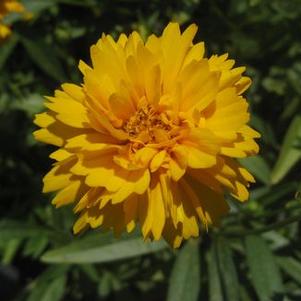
(150, 137)
(7, 7)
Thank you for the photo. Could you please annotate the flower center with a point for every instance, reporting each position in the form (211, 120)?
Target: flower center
(148, 125)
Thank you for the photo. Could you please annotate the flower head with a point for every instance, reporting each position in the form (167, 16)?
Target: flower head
(150, 137)
(7, 7)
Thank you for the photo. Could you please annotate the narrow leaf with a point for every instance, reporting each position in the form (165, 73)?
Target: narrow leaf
(42, 55)
(277, 193)
(290, 154)
(258, 167)
(36, 6)
(50, 285)
(10, 250)
(55, 290)
(227, 270)
(10, 229)
(185, 277)
(264, 271)
(291, 266)
(215, 288)
(114, 250)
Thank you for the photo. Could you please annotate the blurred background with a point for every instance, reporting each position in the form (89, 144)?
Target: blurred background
(254, 255)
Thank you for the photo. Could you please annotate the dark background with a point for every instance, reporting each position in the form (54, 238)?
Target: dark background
(255, 255)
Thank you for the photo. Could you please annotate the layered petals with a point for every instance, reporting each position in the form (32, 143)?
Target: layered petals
(151, 137)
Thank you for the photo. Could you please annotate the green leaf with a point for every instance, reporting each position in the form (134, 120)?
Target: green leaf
(31, 105)
(91, 272)
(264, 271)
(276, 240)
(215, 287)
(36, 6)
(106, 284)
(290, 266)
(50, 285)
(277, 193)
(55, 290)
(11, 229)
(102, 251)
(227, 270)
(7, 48)
(298, 192)
(184, 281)
(265, 129)
(52, 291)
(291, 108)
(289, 154)
(44, 57)
(258, 167)
(243, 293)
(35, 246)
(274, 85)
(11, 249)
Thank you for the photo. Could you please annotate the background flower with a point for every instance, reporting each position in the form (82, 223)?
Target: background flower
(7, 7)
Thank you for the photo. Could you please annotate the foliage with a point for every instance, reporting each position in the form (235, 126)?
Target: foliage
(254, 255)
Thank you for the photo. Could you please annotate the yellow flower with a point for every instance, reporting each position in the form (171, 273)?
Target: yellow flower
(150, 137)
(7, 7)
(4, 31)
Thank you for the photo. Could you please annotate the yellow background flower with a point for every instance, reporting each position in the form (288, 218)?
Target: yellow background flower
(150, 137)
(7, 7)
